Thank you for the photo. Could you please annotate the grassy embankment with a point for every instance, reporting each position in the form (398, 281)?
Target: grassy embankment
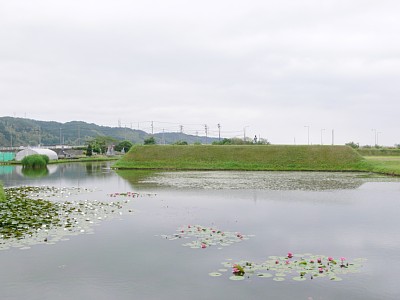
(248, 157)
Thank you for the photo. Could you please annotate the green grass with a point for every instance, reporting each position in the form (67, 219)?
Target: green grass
(384, 164)
(378, 152)
(244, 157)
(2, 194)
(93, 158)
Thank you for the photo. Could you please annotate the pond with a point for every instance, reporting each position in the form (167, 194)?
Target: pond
(171, 233)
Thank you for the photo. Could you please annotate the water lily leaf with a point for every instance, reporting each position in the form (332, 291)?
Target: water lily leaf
(234, 277)
(299, 278)
(278, 278)
(264, 275)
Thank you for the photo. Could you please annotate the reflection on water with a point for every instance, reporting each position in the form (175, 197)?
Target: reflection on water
(282, 181)
(335, 214)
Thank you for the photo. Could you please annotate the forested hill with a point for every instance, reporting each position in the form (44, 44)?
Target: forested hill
(23, 132)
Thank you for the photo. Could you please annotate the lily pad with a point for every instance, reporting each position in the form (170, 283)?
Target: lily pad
(33, 215)
(264, 275)
(236, 278)
(309, 266)
(205, 237)
(299, 278)
(279, 279)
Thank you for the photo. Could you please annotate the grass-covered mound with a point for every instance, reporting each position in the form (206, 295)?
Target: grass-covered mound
(243, 157)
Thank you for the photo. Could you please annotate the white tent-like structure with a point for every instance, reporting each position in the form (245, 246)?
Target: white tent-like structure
(30, 151)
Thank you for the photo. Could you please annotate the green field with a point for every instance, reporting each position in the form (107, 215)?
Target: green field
(244, 157)
(378, 152)
(384, 164)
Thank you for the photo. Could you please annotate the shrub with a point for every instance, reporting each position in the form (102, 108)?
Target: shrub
(352, 145)
(181, 143)
(150, 141)
(126, 145)
(89, 150)
(35, 161)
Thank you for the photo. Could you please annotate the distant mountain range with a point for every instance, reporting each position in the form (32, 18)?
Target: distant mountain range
(26, 132)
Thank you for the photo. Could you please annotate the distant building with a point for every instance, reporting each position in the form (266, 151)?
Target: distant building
(7, 156)
(31, 151)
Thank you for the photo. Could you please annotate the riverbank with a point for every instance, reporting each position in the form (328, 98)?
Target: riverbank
(389, 165)
(244, 157)
(69, 160)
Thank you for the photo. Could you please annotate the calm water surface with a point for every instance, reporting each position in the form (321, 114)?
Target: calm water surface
(336, 214)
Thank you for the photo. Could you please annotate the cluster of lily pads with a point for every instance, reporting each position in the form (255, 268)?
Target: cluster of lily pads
(298, 267)
(47, 192)
(26, 218)
(124, 194)
(204, 237)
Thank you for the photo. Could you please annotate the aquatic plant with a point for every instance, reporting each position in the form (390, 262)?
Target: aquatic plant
(27, 218)
(124, 194)
(35, 161)
(299, 266)
(204, 237)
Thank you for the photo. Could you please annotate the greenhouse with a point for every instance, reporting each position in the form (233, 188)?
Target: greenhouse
(30, 151)
(7, 156)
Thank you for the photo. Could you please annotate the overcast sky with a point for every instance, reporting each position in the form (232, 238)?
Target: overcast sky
(265, 68)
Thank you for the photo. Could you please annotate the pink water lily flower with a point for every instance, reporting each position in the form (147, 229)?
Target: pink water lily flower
(290, 255)
(343, 259)
(330, 258)
(203, 246)
(319, 260)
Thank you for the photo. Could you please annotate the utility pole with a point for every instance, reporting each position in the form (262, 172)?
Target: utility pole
(375, 136)
(79, 135)
(163, 139)
(181, 128)
(308, 134)
(244, 133)
(152, 127)
(206, 129)
(219, 132)
(321, 135)
(40, 137)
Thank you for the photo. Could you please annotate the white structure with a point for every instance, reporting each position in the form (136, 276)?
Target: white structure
(30, 151)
